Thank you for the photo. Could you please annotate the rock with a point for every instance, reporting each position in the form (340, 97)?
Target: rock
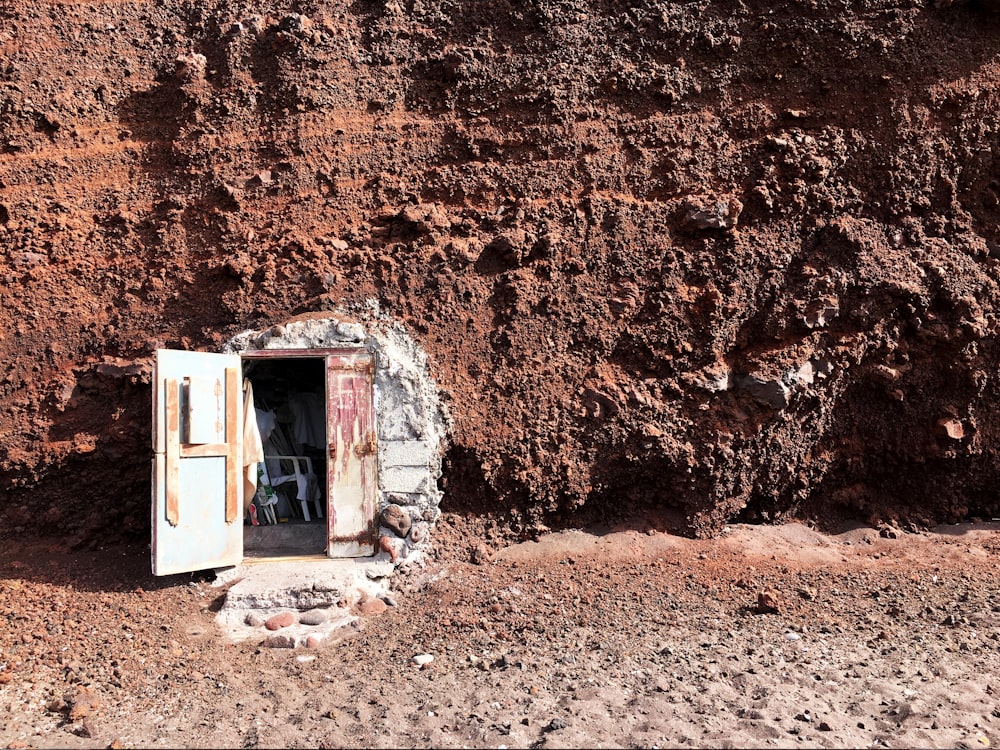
(253, 619)
(389, 601)
(824, 727)
(598, 405)
(625, 297)
(555, 725)
(419, 531)
(314, 617)
(191, 66)
(420, 219)
(718, 214)
(713, 378)
(87, 728)
(295, 22)
(808, 593)
(280, 641)
(767, 602)
(792, 636)
(771, 392)
(50, 120)
(314, 641)
(951, 428)
(83, 703)
(804, 374)
(822, 312)
(261, 179)
(422, 659)
(412, 215)
(397, 519)
(508, 247)
(389, 545)
(481, 554)
(279, 621)
(372, 607)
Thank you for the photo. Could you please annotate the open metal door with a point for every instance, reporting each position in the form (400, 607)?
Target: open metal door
(353, 454)
(197, 482)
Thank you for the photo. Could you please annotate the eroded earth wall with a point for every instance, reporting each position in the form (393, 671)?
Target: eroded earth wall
(735, 259)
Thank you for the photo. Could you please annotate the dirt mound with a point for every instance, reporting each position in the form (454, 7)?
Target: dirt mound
(727, 260)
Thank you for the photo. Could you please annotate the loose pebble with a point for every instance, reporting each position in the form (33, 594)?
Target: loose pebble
(279, 621)
(253, 619)
(556, 724)
(767, 602)
(372, 607)
(314, 617)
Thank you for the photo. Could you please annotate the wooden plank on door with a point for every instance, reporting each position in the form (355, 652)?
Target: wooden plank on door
(233, 440)
(172, 449)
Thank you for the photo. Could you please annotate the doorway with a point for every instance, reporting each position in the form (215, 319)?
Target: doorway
(319, 459)
(288, 514)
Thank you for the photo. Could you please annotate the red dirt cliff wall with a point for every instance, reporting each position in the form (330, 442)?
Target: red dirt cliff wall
(736, 259)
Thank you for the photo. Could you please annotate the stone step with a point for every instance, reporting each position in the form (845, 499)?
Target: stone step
(304, 584)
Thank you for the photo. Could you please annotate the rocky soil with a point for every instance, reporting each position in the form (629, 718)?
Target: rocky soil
(767, 636)
(732, 259)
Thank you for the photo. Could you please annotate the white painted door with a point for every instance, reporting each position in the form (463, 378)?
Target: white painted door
(197, 483)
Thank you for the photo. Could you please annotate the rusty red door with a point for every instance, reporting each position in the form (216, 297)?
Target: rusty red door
(352, 448)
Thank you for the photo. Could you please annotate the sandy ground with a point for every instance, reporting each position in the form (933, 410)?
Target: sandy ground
(607, 638)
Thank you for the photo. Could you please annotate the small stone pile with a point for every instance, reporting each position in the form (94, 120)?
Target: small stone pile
(308, 633)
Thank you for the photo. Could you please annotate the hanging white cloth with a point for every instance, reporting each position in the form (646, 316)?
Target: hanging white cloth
(309, 419)
(253, 448)
(266, 420)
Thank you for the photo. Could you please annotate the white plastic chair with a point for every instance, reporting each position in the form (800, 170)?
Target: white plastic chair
(306, 481)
